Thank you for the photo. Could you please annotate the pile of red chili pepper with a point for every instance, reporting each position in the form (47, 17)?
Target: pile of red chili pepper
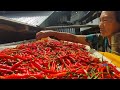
(53, 59)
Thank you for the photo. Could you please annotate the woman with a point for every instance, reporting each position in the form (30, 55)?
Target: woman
(109, 25)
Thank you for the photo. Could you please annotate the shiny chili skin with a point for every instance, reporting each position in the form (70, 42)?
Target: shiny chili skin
(5, 70)
(7, 56)
(16, 65)
(23, 76)
(40, 68)
(5, 66)
(53, 59)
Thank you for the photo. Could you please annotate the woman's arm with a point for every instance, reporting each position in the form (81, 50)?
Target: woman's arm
(72, 37)
(62, 36)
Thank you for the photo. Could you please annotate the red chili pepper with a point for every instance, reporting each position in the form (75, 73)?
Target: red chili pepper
(23, 70)
(45, 64)
(68, 58)
(5, 66)
(113, 77)
(84, 64)
(31, 65)
(40, 61)
(68, 61)
(66, 64)
(73, 70)
(102, 70)
(28, 52)
(80, 71)
(115, 70)
(116, 75)
(38, 76)
(2, 77)
(20, 57)
(84, 60)
(16, 65)
(53, 66)
(71, 58)
(27, 71)
(40, 68)
(57, 75)
(5, 70)
(87, 68)
(23, 76)
(6, 56)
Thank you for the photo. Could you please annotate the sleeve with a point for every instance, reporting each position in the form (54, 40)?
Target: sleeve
(92, 39)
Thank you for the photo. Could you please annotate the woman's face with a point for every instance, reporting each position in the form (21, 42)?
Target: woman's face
(108, 24)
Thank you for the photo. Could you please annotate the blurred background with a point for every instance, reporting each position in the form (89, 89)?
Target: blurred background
(23, 25)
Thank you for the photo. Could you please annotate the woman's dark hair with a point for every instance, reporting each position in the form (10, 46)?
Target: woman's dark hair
(117, 15)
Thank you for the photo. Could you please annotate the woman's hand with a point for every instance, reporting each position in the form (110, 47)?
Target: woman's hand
(44, 34)
(61, 36)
